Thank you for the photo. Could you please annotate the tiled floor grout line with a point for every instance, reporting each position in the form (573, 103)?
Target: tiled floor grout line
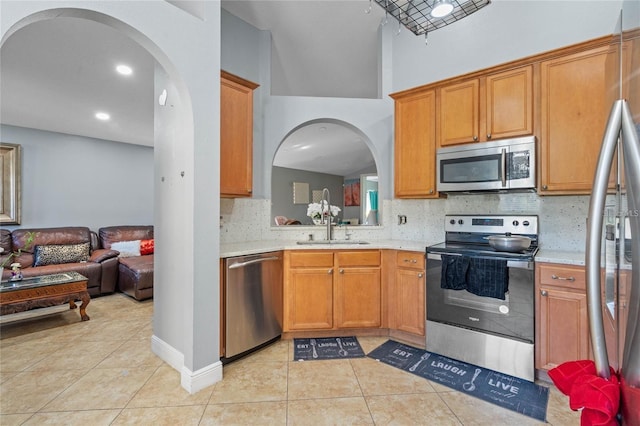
(364, 397)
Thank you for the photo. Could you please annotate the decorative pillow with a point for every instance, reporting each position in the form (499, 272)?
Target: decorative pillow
(127, 248)
(146, 247)
(54, 254)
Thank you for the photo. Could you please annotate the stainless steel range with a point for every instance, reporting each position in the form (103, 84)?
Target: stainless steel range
(480, 301)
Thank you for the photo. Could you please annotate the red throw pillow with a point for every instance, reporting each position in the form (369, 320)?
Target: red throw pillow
(146, 247)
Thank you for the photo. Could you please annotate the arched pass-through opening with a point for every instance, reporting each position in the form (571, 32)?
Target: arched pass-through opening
(319, 153)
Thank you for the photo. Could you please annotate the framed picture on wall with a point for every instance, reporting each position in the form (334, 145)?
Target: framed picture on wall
(11, 179)
(352, 192)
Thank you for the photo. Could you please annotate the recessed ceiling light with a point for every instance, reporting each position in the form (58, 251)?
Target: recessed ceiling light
(102, 116)
(124, 69)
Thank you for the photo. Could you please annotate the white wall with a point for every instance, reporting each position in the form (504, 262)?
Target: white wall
(503, 31)
(245, 50)
(72, 180)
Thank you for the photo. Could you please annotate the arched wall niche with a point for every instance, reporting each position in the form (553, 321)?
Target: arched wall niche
(324, 152)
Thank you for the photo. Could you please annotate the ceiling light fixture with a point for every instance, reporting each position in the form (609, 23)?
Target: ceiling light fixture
(441, 8)
(102, 116)
(424, 16)
(124, 69)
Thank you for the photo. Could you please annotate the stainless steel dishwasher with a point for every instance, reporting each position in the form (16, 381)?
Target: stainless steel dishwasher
(253, 302)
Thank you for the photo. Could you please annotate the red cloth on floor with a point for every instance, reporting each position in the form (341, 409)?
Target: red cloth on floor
(598, 398)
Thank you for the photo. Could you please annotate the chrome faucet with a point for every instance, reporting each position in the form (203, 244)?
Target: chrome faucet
(326, 217)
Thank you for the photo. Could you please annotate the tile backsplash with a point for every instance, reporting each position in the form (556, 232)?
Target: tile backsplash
(562, 219)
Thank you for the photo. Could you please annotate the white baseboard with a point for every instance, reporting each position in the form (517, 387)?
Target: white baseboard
(167, 353)
(191, 381)
(194, 381)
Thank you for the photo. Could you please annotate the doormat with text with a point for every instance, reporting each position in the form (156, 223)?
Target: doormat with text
(506, 391)
(327, 348)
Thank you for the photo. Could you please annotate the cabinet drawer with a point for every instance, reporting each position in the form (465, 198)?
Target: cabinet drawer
(562, 276)
(311, 259)
(358, 258)
(410, 259)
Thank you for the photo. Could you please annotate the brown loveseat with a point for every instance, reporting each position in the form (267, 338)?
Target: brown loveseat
(135, 270)
(48, 255)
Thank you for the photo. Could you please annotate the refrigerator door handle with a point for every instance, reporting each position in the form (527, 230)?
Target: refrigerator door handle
(594, 242)
(631, 153)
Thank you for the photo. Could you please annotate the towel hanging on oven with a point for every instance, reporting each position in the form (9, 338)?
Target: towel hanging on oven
(454, 272)
(480, 276)
(488, 277)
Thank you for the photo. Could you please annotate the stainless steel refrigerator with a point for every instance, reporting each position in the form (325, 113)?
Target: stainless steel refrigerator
(613, 234)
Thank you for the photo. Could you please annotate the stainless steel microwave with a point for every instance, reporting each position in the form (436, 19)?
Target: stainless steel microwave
(508, 164)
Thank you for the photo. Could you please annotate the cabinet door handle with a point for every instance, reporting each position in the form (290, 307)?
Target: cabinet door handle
(413, 261)
(555, 277)
(431, 191)
(503, 166)
(330, 271)
(475, 138)
(543, 292)
(544, 187)
(420, 275)
(488, 135)
(342, 271)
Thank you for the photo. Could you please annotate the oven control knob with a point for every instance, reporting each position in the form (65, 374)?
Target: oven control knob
(525, 223)
(452, 221)
(460, 221)
(516, 223)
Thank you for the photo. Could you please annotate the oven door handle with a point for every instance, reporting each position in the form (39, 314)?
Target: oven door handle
(519, 264)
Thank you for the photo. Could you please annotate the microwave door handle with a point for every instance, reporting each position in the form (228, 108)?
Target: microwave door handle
(503, 167)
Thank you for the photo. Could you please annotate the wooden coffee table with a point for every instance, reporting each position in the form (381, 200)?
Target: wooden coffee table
(44, 291)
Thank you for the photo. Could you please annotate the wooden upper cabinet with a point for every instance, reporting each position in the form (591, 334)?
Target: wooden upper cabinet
(574, 110)
(509, 103)
(415, 145)
(458, 113)
(494, 106)
(236, 136)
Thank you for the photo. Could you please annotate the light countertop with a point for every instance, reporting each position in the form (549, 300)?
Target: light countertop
(563, 257)
(254, 247)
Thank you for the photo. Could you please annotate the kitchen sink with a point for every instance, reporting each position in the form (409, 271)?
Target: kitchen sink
(331, 242)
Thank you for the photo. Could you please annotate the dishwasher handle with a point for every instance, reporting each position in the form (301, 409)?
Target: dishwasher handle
(252, 261)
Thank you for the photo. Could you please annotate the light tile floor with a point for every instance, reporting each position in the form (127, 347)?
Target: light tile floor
(56, 370)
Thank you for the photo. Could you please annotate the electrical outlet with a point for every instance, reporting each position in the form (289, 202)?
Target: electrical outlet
(402, 219)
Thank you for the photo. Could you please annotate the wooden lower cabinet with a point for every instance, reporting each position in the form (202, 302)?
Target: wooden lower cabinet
(562, 328)
(327, 289)
(410, 301)
(358, 298)
(310, 295)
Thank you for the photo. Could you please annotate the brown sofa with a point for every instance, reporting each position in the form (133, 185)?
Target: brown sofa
(135, 273)
(100, 268)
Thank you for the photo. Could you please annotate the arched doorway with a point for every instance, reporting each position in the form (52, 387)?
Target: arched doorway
(179, 158)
